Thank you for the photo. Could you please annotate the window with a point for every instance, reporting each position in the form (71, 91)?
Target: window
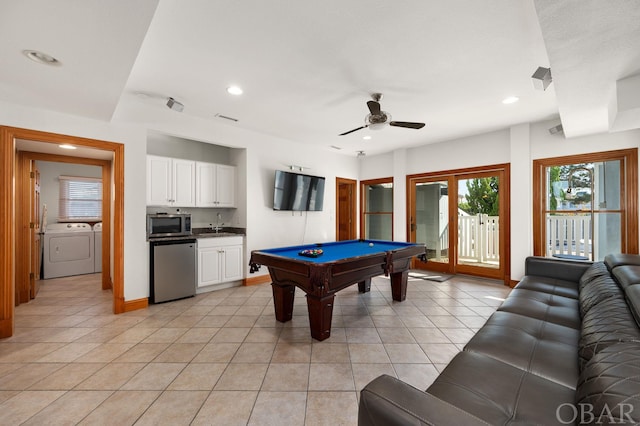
(585, 206)
(80, 199)
(377, 209)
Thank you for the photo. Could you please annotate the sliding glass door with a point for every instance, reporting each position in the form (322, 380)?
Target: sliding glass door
(460, 216)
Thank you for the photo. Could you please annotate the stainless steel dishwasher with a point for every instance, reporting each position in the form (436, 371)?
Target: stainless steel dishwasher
(173, 270)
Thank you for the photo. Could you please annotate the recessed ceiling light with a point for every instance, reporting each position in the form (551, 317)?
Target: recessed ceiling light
(366, 138)
(234, 90)
(40, 57)
(510, 100)
(67, 146)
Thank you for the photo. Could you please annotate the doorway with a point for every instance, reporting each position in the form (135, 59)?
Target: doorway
(28, 215)
(462, 217)
(345, 209)
(376, 201)
(14, 239)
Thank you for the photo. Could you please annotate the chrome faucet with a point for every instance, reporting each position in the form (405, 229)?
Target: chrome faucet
(218, 224)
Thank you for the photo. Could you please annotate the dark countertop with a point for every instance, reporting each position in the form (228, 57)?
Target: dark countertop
(204, 233)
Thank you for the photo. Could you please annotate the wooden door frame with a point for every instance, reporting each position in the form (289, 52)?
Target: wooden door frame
(629, 203)
(9, 199)
(23, 249)
(363, 204)
(440, 267)
(353, 205)
(504, 272)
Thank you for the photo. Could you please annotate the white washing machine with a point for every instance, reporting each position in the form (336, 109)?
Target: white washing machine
(97, 241)
(68, 250)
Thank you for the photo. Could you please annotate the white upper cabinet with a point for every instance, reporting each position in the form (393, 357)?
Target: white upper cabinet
(226, 185)
(215, 185)
(159, 192)
(184, 183)
(170, 182)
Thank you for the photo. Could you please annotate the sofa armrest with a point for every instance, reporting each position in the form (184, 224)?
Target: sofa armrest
(567, 270)
(387, 401)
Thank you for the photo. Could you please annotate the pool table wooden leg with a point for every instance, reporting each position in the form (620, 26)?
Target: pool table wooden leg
(283, 296)
(364, 286)
(399, 285)
(320, 312)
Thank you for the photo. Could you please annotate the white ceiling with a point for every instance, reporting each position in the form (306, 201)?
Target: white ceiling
(308, 68)
(52, 148)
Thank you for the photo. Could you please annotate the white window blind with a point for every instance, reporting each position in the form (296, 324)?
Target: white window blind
(80, 199)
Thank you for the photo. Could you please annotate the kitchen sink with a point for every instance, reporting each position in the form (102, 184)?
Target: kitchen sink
(212, 233)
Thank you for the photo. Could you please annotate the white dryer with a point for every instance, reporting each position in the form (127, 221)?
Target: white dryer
(68, 250)
(97, 241)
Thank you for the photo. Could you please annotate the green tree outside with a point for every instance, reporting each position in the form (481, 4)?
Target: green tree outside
(482, 197)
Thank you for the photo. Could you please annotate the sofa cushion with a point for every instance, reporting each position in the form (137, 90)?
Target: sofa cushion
(543, 306)
(610, 385)
(549, 285)
(388, 401)
(597, 270)
(614, 260)
(627, 275)
(605, 324)
(597, 290)
(539, 347)
(499, 393)
(629, 279)
(633, 299)
(567, 270)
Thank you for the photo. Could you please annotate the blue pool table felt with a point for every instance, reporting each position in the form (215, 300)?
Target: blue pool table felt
(333, 251)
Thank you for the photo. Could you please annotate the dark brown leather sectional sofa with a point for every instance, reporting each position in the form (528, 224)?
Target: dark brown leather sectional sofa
(563, 348)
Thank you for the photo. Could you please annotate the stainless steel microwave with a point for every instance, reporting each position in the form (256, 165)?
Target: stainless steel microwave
(168, 225)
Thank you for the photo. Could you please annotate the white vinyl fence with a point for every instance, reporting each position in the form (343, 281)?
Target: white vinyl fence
(569, 235)
(479, 238)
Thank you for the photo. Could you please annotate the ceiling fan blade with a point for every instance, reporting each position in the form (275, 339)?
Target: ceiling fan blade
(407, 124)
(374, 107)
(351, 131)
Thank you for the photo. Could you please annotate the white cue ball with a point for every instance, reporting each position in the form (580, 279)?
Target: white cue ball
(370, 244)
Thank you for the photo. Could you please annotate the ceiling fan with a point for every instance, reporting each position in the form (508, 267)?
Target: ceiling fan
(377, 119)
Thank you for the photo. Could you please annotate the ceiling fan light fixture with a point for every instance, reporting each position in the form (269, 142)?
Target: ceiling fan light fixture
(378, 119)
(377, 122)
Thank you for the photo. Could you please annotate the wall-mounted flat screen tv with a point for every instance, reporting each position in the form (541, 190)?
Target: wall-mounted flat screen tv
(298, 192)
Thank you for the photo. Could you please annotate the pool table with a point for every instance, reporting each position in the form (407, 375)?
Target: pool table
(323, 269)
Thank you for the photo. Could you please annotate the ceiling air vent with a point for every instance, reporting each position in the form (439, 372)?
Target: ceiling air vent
(227, 117)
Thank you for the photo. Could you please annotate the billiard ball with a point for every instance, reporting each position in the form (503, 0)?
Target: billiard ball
(370, 244)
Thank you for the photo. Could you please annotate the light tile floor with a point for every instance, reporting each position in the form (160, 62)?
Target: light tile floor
(222, 358)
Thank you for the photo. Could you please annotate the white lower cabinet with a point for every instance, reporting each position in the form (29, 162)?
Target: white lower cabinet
(219, 260)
